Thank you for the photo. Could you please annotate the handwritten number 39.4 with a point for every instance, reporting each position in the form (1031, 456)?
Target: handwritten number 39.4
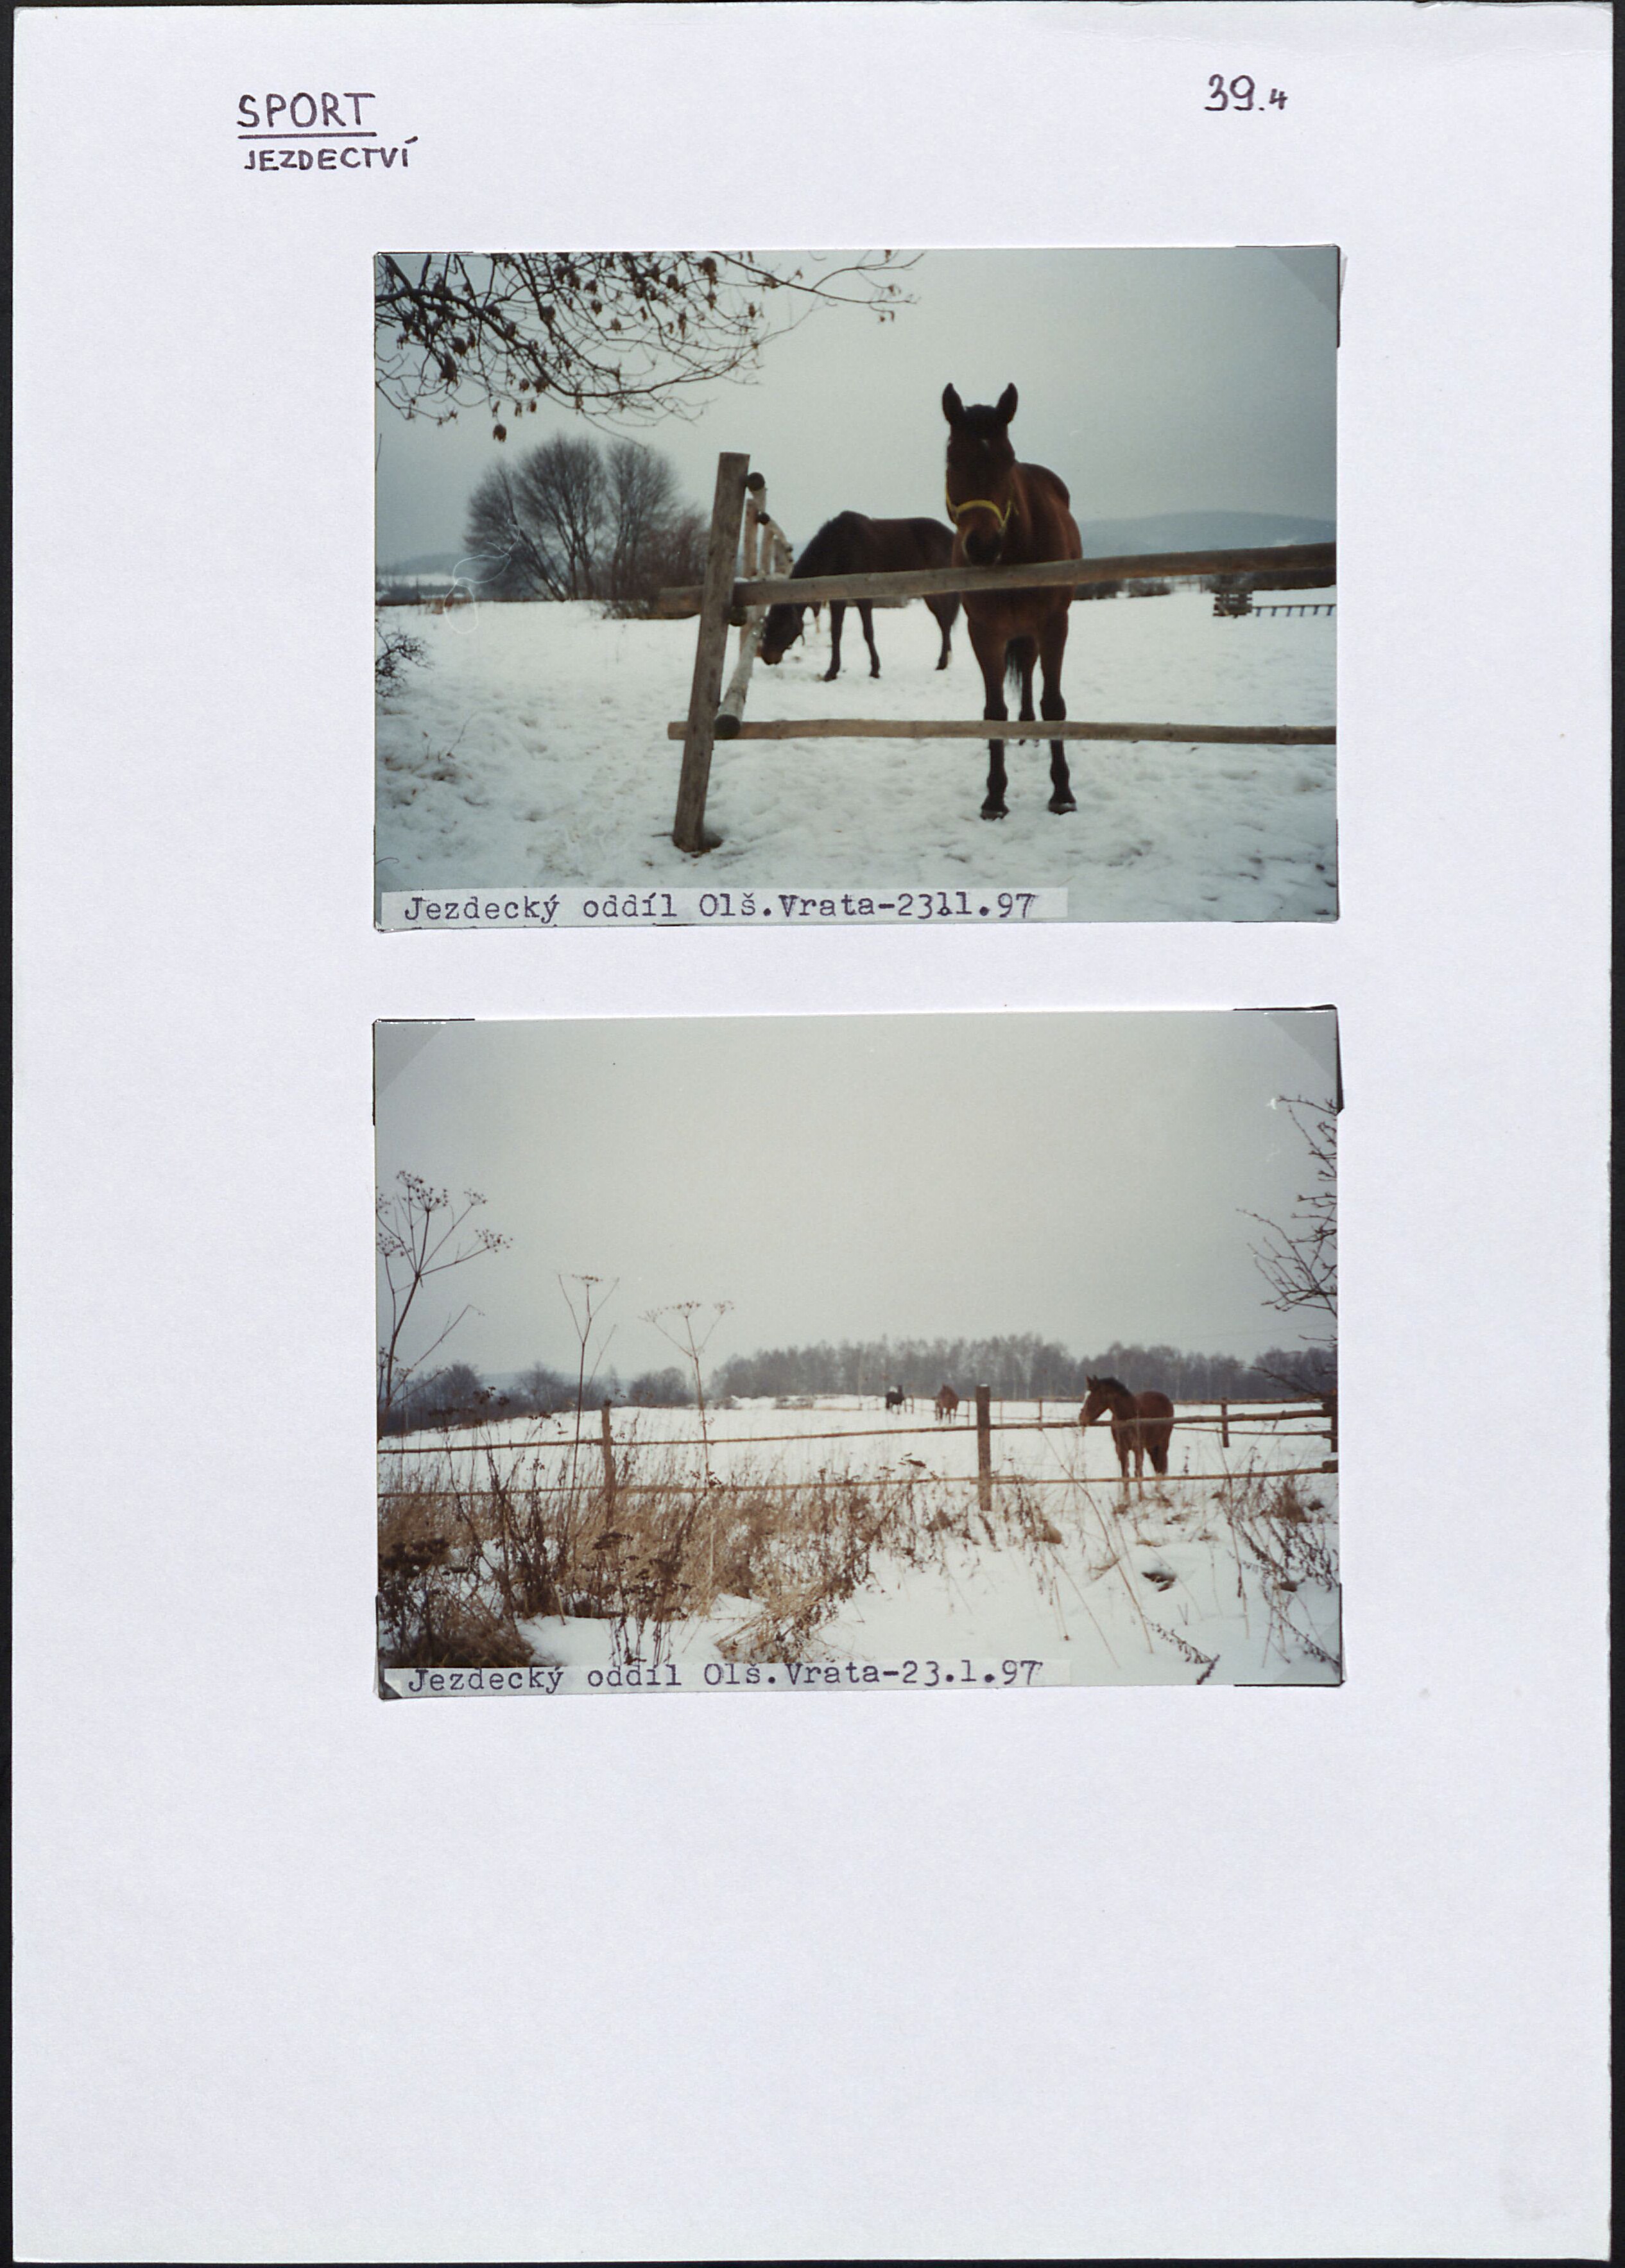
(1238, 93)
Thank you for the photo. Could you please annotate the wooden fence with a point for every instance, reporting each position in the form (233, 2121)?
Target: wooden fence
(722, 600)
(983, 1421)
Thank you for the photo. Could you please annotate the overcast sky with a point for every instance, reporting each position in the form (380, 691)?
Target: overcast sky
(1152, 381)
(1081, 1176)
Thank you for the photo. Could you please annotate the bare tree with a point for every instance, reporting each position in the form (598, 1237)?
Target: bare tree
(420, 1235)
(625, 336)
(561, 496)
(677, 553)
(1297, 1258)
(569, 521)
(512, 561)
(641, 499)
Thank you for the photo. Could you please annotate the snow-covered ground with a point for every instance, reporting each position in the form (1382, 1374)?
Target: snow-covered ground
(533, 750)
(1163, 1587)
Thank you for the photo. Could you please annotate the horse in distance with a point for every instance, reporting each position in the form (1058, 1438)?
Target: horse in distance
(1142, 1424)
(894, 1397)
(1007, 514)
(947, 1403)
(851, 544)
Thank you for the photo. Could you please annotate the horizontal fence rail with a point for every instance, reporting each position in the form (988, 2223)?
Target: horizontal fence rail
(1294, 559)
(936, 1429)
(723, 597)
(997, 728)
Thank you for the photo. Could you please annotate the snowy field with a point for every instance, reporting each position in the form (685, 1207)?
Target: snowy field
(531, 750)
(1225, 1572)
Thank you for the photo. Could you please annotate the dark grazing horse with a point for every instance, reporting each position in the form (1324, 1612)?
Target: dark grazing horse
(1142, 1424)
(849, 544)
(894, 1397)
(1009, 515)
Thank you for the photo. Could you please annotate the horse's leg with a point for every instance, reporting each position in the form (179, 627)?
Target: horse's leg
(944, 610)
(990, 646)
(1052, 646)
(837, 615)
(865, 614)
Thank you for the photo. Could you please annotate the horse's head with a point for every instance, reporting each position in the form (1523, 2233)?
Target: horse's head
(981, 474)
(779, 632)
(1095, 1404)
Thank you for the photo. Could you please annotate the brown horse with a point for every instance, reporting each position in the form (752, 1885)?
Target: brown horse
(851, 544)
(1141, 1423)
(947, 1403)
(1009, 515)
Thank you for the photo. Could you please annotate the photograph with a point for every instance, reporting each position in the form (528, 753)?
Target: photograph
(780, 1351)
(708, 574)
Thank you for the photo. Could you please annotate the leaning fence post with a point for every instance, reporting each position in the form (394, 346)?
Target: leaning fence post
(1223, 1425)
(609, 1461)
(709, 653)
(731, 709)
(984, 1449)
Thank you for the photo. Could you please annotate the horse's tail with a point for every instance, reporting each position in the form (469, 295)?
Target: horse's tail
(1020, 659)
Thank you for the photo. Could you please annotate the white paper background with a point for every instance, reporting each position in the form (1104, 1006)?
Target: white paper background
(303, 1976)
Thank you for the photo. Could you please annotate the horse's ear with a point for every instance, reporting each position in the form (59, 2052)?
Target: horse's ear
(1007, 404)
(952, 407)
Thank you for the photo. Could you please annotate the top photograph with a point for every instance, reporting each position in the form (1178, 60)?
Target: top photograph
(798, 588)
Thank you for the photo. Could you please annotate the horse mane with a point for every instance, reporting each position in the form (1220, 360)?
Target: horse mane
(1109, 1385)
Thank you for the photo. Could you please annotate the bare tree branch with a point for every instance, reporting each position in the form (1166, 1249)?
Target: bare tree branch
(616, 336)
(1297, 1258)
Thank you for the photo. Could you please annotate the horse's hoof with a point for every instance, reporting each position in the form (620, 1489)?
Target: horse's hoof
(994, 811)
(830, 676)
(1059, 803)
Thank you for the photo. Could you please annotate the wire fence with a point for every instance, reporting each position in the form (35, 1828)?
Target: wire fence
(890, 1431)
(1280, 1421)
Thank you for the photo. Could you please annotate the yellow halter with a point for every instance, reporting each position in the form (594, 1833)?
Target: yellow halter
(980, 504)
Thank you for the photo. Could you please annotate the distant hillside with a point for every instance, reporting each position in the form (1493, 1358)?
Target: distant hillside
(426, 562)
(1199, 531)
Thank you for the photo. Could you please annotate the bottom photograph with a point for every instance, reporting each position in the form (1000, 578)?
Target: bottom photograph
(796, 1352)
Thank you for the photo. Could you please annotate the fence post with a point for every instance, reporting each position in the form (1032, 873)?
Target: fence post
(731, 709)
(1223, 1425)
(609, 1462)
(710, 652)
(1328, 1410)
(984, 1449)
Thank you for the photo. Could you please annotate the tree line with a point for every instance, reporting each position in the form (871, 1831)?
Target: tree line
(1021, 1367)
(577, 518)
(1017, 1368)
(458, 1395)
